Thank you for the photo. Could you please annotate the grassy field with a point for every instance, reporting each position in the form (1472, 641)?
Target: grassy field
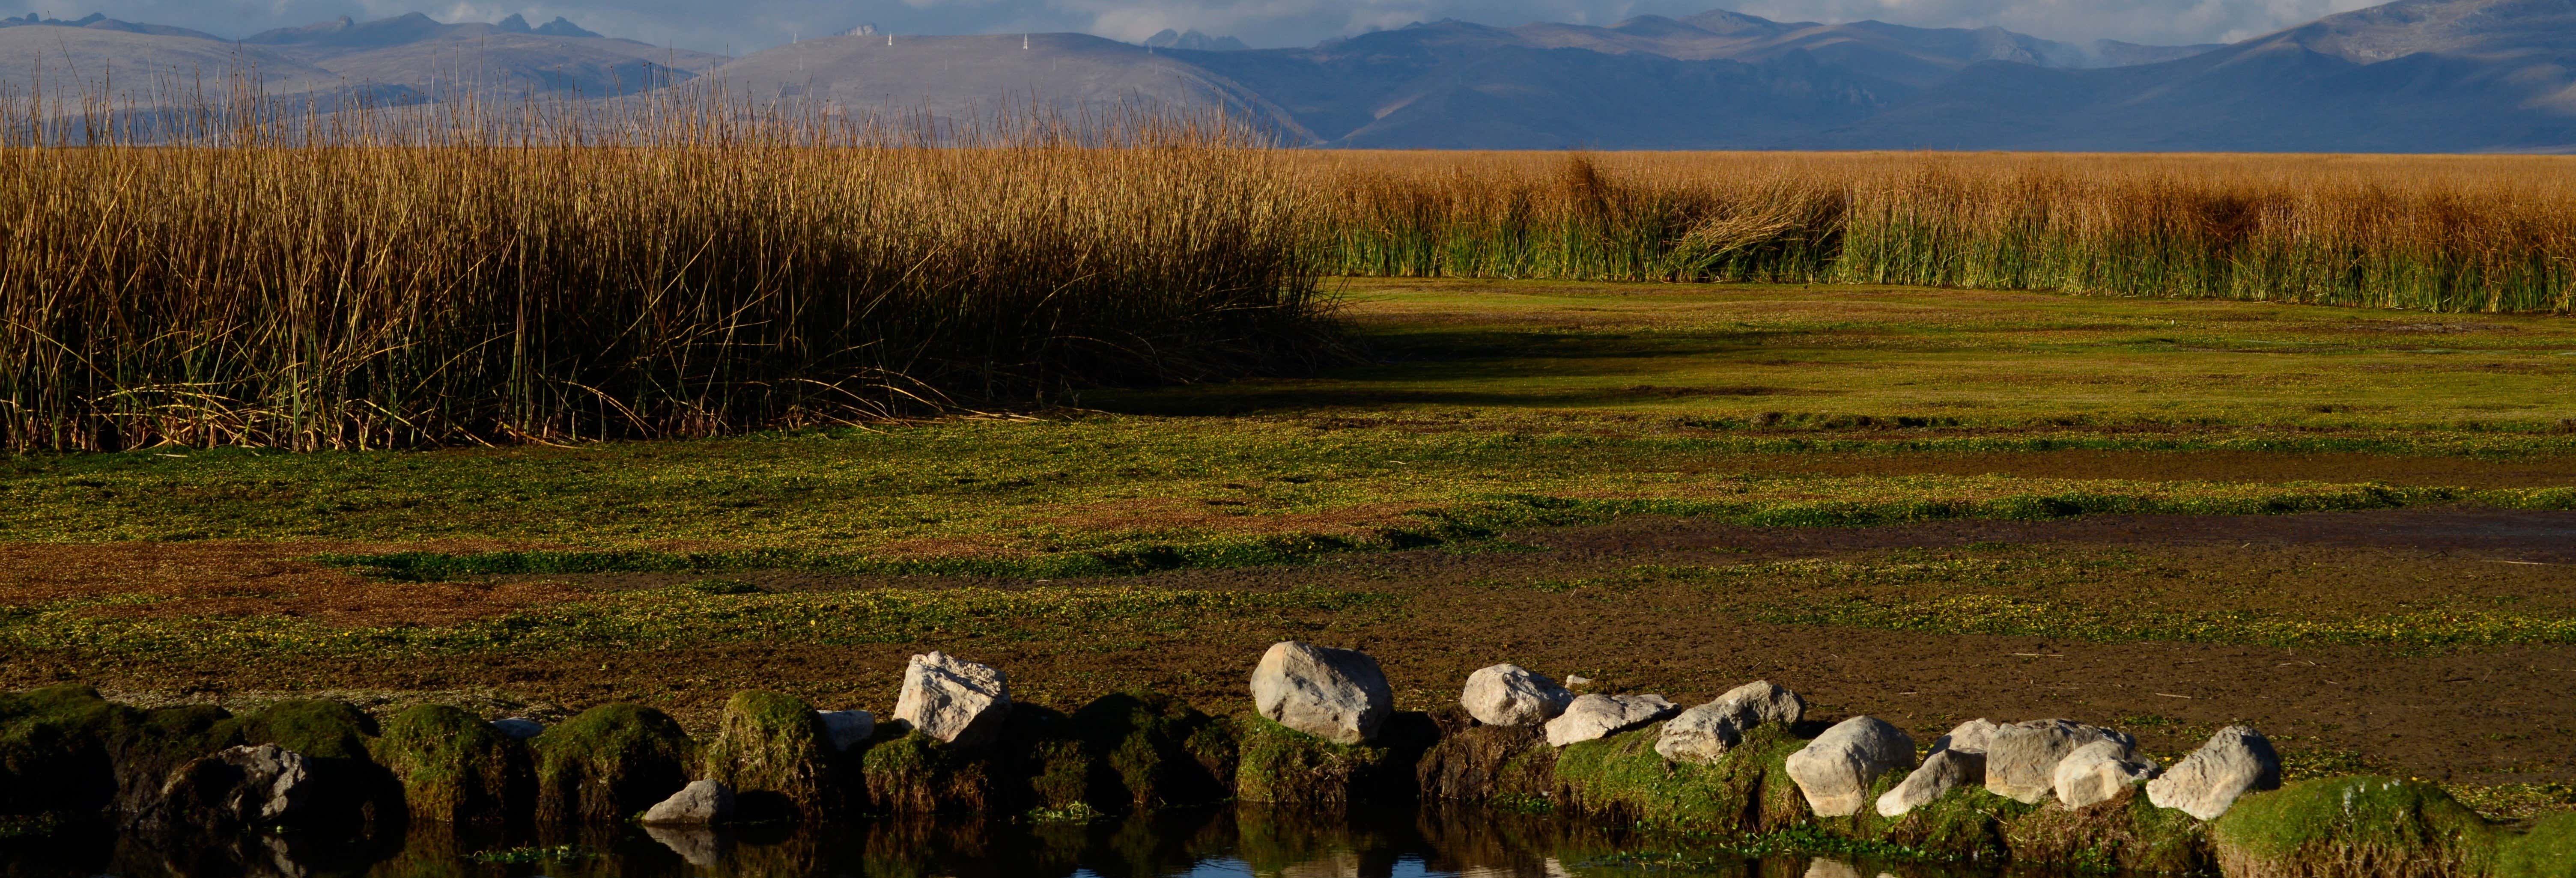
(1922, 504)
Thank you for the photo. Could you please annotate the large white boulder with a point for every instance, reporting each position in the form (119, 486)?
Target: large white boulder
(2021, 758)
(1835, 770)
(846, 728)
(1599, 716)
(2098, 771)
(701, 803)
(1941, 772)
(1706, 732)
(1973, 736)
(2236, 761)
(1338, 695)
(1510, 695)
(954, 700)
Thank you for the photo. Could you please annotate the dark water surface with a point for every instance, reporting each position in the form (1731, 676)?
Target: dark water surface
(1207, 843)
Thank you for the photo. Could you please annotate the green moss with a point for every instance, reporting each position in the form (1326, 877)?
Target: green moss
(2124, 834)
(317, 728)
(1282, 766)
(1966, 824)
(1746, 791)
(455, 768)
(1043, 763)
(907, 772)
(1150, 750)
(2352, 826)
(2546, 850)
(774, 752)
(57, 748)
(164, 739)
(610, 763)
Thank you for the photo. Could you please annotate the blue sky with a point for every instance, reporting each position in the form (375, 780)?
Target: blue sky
(742, 26)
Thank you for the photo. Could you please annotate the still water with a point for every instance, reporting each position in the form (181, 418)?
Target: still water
(1213, 843)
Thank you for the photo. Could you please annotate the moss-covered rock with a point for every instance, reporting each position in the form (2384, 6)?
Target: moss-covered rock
(1150, 750)
(1042, 762)
(455, 768)
(907, 772)
(1485, 763)
(774, 752)
(2545, 850)
(351, 791)
(160, 741)
(2124, 833)
(1748, 790)
(57, 751)
(1968, 823)
(610, 763)
(1277, 765)
(2352, 826)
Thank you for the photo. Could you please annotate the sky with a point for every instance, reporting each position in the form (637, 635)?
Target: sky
(743, 26)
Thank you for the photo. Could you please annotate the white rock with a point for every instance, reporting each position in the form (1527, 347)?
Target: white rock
(1945, 770)
(1573, 680)
(1824, 868)
(846, 728)
(700, 803)
(1973, 736)
(2021, 758)
(956, 701)
(1510, 695)
(274, 784)
(1706, 732)
(2098, 771)
(2236, 761)
(519, 727)
(1599, 716)
(1338, 695)
(1836, 769)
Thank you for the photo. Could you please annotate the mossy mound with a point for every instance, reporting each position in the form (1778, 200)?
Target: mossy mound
(1748, 790)
(2124, 834)
(907, 772)
(774, 752)
(610, 763)
(1968, 823)
(2546, 850)
(162, 740)
(1485, 763)
(455, 768)
(1150, 750)
(57, 751)
(2352, 826)
(336, 740)
(1042, 763)
(1277, 765)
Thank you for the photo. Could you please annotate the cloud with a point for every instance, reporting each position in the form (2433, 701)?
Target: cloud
(747, 25)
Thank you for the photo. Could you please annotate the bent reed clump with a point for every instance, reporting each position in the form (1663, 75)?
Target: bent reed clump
(2455, 233)
(667, 266)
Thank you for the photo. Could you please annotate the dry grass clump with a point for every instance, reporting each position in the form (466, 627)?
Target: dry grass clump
(2453, 233)
(664, 267)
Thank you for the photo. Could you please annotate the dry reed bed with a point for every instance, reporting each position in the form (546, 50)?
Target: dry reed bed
(406, 279)
(2442, 233)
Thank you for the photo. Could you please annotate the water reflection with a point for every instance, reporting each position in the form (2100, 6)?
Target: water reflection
(1236, 841)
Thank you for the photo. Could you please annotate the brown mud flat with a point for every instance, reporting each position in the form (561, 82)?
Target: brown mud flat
(2493, 714)
(2198, 466)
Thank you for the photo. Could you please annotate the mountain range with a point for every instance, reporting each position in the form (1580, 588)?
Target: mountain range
(2409, 76)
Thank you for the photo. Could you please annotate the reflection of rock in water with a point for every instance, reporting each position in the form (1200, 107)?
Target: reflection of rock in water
(701, 846)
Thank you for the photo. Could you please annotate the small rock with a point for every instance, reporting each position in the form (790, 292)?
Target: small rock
(2098, 771)
(1945, 770)
(1836, 769)
(260, 785)
(1338, 695)
(2236, 761)
(701, 803)
(846, 728)
(1598, 716)
(1824, 868)
(1973, 736)
(956, 701)
(1572, 680)
(1706, 732)
(1510, 695)
(2021, 758)
(518, 727)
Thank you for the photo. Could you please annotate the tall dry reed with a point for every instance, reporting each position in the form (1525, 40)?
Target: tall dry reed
(674, 267)
(2431, 233)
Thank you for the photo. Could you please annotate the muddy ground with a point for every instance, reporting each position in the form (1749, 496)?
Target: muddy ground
(2473, 715)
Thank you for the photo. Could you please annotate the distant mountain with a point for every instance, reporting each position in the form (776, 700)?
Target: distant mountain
(2412, 75)
(1195, 41)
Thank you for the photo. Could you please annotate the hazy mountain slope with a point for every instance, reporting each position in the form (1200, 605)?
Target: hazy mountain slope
(970, 77)
(2442, 75)
(507, 58)
(137, 64)
(99, 21)
(1567, 98)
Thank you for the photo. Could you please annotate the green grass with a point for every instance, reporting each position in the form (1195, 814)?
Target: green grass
(2001, 614)
(666, 617)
